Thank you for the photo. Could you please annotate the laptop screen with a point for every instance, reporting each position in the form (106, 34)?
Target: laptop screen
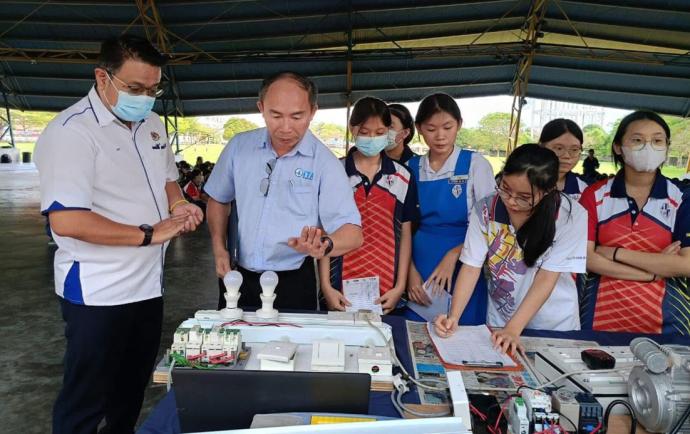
(213, 400)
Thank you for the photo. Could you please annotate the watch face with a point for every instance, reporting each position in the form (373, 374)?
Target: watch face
(146, 228)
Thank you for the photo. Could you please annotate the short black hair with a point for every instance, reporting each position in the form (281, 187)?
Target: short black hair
(401, 112)
(115, 51)
(304, 82)
(369, 107)
(625, 123)
(436, 103)
(557, 127)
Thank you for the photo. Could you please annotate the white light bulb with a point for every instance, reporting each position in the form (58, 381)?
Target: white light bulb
(268, 281)
(233, 281)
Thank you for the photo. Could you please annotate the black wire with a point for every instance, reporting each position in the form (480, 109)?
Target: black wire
(681, 421)
(607, 413)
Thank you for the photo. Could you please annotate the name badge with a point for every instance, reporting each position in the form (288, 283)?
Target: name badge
(457, 179)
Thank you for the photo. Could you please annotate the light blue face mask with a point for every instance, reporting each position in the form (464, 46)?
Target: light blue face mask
(370, 146)
(132, 108)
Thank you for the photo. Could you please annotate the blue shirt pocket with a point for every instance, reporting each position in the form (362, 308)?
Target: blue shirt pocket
(300, 199)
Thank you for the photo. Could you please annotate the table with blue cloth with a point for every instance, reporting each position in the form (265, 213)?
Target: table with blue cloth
(163, 419)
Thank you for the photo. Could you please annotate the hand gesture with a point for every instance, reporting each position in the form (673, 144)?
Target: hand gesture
(167, 229)
(222, 259)
(390, 299)
(672, 249)
(309, 242)
(415, 288)
(193, 213)
(445, 326)
(442, 277)
(335, 300)
(507, 341)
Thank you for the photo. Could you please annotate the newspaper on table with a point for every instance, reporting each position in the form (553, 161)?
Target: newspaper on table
(425, 363)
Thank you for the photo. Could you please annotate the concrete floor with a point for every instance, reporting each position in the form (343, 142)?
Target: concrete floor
(30, 323)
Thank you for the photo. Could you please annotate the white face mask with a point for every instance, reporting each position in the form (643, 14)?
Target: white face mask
(646, 159)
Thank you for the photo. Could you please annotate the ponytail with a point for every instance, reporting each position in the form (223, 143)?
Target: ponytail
(537, 233)
(540, 165)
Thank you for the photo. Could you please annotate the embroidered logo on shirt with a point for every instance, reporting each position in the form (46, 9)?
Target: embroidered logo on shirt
(304, 174)
(155, 136)
(457, 190)
(159, 146)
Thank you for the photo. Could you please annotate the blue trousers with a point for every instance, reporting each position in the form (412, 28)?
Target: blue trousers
(110, 354)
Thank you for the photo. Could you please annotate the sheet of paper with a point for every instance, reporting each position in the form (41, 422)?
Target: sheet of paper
(362, 293)
(439, 304)
(469, 345)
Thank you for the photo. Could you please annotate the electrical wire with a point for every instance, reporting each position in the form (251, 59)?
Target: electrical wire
(597, 428)
(259, 324)
(626, 404)
(396, 361)
(584, 371)
(168, 381)
(401, 408)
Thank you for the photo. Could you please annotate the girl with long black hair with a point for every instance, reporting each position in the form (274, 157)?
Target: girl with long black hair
(530, 236)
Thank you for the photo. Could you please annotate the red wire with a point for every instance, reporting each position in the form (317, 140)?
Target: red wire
(258, 323)
(476, 411)
(598, 427)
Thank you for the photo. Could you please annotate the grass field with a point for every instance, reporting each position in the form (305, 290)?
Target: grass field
(212, 152)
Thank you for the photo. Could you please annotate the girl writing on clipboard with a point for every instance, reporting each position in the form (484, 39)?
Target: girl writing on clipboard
(531, 237)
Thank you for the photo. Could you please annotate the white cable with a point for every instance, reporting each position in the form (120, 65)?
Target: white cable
(400, 405)
(399, 364)
(170, 369)
(395, 404)
(583, 371)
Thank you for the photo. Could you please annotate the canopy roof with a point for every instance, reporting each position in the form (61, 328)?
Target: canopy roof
(618, 53)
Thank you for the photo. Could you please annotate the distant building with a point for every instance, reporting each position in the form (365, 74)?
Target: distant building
(544, 110)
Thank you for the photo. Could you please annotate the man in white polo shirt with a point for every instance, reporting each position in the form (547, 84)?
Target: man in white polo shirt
(108, 186)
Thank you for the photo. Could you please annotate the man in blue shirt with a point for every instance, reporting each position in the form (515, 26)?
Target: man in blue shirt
(294, 202)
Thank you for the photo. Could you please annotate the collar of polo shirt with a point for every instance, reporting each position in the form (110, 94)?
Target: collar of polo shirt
(659, 188)
(304, 147)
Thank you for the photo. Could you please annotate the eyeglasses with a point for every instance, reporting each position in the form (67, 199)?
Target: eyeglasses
(637, 143)
(562, 150)
(266, 182)
(135, 90)
(519, 201)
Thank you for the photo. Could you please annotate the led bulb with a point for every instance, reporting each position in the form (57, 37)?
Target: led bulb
(233, 281)
(268, 281)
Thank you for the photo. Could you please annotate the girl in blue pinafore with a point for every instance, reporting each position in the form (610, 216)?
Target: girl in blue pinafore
(449, 181)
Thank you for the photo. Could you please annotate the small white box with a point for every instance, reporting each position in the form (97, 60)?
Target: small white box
(278, 351)
(375, 362)
(272, 365)
(328, 355)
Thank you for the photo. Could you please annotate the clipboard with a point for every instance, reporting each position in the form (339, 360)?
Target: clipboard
(476, 365)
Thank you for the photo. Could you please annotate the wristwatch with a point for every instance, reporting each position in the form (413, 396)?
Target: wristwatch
(148, 234)
(330, 245)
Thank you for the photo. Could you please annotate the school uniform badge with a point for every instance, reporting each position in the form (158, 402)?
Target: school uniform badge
(155, 136)
(457, 190)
